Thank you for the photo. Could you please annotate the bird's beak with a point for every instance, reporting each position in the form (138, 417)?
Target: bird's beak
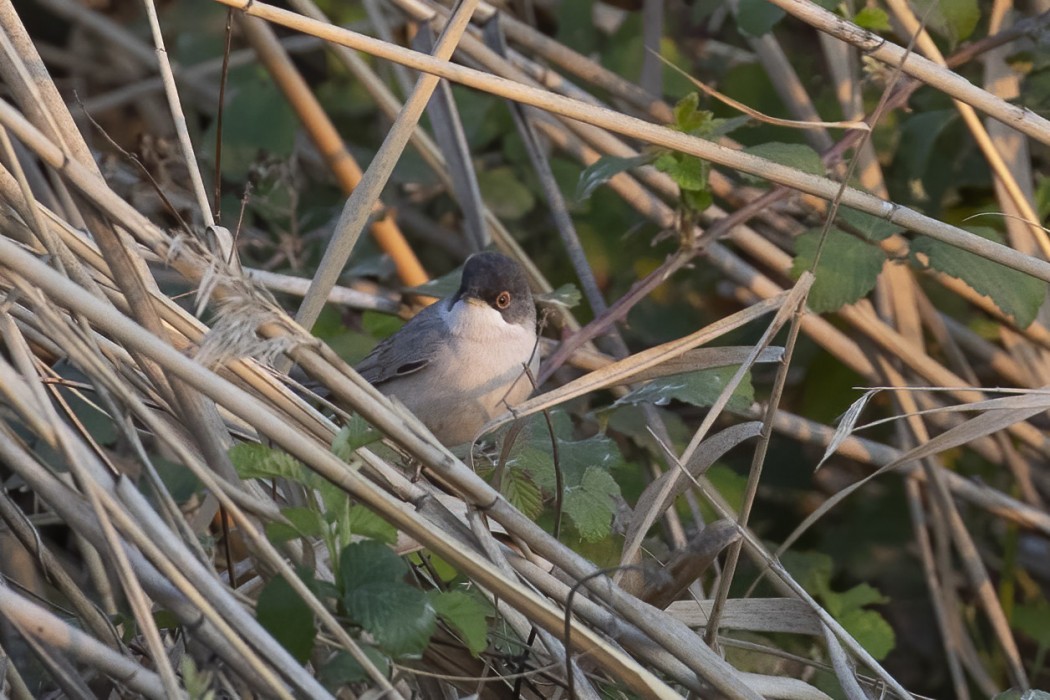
(472, 299)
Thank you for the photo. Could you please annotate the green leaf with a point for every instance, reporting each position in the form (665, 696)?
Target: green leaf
(839, 604)
(1014, 292)
(522, 492)
(307, 522)
(342, 669)
(847, 271)
(814, 571)
(794, 155)
(699, 388)
(872, 228)
(919, 134)
(503, 191)
(576, 25)
(367, 562)
(356, 433)
(811, 569)
(566, 296)
(398, 616)
(1030, 694)
(247, 133)
(575, 457)
(873, 19)
(697, 200)
(606, 168)
(689, 118)
(1042, 196)
(1034, 620)
(287, 617)
(255, 461)
(590, 505)
(279, 533)
(953, 19)
(379, 325)
(871, 630)
(466, 613)
(441, 287)
(181, 482)
(756, 17)
(365, 523)
(688, 172)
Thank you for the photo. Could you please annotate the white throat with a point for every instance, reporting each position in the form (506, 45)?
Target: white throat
(481, 323)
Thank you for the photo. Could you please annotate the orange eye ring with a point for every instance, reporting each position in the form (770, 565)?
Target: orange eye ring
(503, 300)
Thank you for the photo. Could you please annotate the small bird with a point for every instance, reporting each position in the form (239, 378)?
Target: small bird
(461, 361)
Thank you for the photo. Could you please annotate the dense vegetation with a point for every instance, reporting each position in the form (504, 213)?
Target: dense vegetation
(788, 440)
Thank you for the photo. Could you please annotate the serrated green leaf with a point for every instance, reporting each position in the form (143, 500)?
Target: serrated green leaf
(870, 227)
(685, 112)
(356, 433)
(847, 271)
(287, 617)
(590, 506)
(1014, 292)
(368, 562)
(375, 596)
(690, 119)
(756, 17)
(699, 388)
(522, 492)
(575, 457)
(255, 461)
(399, 617)
(873, 19)
(688, 172)
(871, 630)
(363, 522)
(793, 155)
(466, 613)
(606, 168)
(342, 669)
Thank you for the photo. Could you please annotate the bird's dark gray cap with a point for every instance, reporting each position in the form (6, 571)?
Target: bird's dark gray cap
(486, 275)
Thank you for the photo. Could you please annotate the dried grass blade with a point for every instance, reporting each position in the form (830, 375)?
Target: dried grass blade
(625, 370)
(1020, 408)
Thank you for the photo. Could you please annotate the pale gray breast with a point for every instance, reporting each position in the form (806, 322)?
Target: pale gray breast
(455, 381)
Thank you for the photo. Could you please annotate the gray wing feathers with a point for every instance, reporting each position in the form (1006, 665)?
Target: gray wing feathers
(408, 350)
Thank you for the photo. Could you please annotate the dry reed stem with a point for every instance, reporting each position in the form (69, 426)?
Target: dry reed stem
(820, 187)
(328, 141)
(189, 332)
(930, 73)
(332, 468)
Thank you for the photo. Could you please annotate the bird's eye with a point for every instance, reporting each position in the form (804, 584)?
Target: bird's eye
(503, 300)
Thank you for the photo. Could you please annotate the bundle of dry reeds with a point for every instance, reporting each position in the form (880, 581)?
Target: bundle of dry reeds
(111, 382)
